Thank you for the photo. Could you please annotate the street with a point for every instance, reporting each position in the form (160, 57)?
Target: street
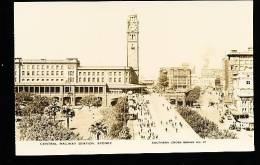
(159, 120)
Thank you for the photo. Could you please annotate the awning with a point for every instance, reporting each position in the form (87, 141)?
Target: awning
(126, 86)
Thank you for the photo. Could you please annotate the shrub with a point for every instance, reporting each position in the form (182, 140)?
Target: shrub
(203, 127)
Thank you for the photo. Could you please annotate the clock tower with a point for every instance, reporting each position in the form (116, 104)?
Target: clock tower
(133, 43)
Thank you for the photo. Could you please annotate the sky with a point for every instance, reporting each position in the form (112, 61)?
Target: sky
(170, 33)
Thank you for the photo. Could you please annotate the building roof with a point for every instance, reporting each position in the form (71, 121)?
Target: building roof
(103, 67)
(50, 61)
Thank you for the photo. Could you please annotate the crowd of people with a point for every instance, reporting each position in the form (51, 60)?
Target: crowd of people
(147, 127)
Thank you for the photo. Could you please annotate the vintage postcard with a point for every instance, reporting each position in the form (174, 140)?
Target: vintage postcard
(133, 77)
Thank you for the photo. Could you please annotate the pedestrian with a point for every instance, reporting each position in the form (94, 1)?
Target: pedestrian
(181, 124)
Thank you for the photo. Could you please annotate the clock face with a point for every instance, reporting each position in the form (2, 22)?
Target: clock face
(133, 27)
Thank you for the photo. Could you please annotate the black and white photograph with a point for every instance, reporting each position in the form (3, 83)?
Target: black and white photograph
(133, 77)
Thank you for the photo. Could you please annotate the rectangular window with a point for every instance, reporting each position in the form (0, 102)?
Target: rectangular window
(102, 73)
(61, 73)
(42, 73)
(76, 89)
(32, 66)
(36, 89)
(84, 79)
(67, 89)
(41, 89)
(23, 73)
(57, 73)
(86, 89)
(100, 89)
(33, 73)
(28, 66)
(61, 67)
(47, 89)
(114, 73)
(102, 79)
(26, 89)
(119, 79)
(52, 73)
(37, 79)
(57, 89)
(57, 66)
(93, 73)
(119, 73)
(31, 89)
(88, 79)
(79, 79)
(47, 67)
(52, 79)
(97, 79)
(38, 67)
(110, 79)
(95, 89)
(28, 73)
(57, 79)
(91, 89)
(42, 79)
(61, 79)
(97, 73)
(42, 66)
(81, 89)
(110, 73)
(52, 89)
(28, 79)
(88, 73)
(84, 73)
(47, 73)
(114, 79)
(93, 79)
(79, 73)
(20, 89)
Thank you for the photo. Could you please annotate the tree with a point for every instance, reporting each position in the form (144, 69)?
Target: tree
(21, 100)
(163, 81)
(203, 127)
(69, 113)
(98, 129)
(116, 118)
(193, 95)
(39, 128)
(53, 109)
(88, 100)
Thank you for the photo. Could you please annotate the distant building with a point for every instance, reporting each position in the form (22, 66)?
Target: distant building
(239, 80)
(209, 76)
(179, 77)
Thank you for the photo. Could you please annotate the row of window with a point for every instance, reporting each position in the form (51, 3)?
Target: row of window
(43, 73)
(88, 89)
(102, 73)
(38, 89)
(41, 79)
(100, 80)
(42, 66)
